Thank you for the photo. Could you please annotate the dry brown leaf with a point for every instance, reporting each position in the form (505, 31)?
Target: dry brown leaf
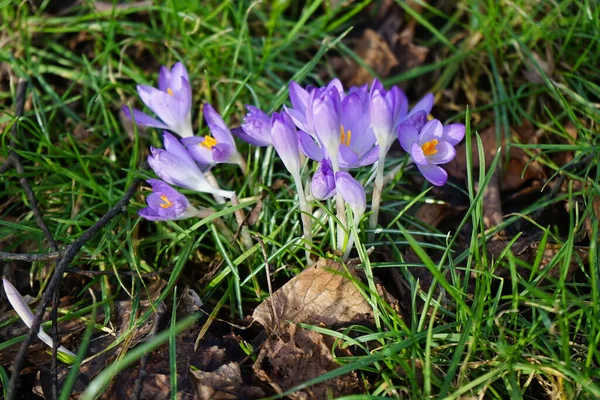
(318, 295)
(373, 49)
(300, 355)
(225, 383)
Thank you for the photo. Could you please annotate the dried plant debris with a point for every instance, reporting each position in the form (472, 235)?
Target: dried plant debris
(224, 383)
(298, 355)
(322, 294)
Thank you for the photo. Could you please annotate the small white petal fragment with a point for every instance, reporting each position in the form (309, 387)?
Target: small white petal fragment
(20, 305)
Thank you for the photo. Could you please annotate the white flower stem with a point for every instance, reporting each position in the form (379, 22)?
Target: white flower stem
(213, 181)
(377, 191)
(306, 213)
(351, 239)
(340, 209)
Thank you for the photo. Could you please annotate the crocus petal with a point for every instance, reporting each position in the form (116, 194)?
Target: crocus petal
(201, 154)
(217, 126)
(453, 133)
(143, 119)
(178, 74)
(400, 104)
(298, 97)
(24, 312)
(352, 192)
(164, 79)
(445, 153)
(417, 155)
(322, 185)
(309, 147)
(368, 158)
(407, 135)
(253, 140)
(425, 104)
(185, 100)
(434, 174)
(222, 152)
(299, 119)
(418, 120)
(257, 126)
(326, 120)
(162, 104)
(174, 146)
(432, 130)
(381, 117)
(285, 141)
(347, 158)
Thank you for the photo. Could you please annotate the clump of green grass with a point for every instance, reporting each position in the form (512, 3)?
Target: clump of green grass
(473, 332)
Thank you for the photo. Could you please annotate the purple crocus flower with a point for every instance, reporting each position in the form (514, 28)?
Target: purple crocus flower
(166, 203)
(216, 149)
(352, 193)
(171, 102)
(256, 128)
(433, 145)
(389, 108)
(322, 185)
(354, 136)
(175, 166)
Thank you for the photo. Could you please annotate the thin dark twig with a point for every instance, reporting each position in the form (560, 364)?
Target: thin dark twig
(4, 256)
(69, 254)
(93, 274)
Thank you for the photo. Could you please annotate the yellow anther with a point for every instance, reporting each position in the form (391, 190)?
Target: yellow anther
(345, 136)
(169, 92)
(209, 142)
(429, 148)
(167, 203)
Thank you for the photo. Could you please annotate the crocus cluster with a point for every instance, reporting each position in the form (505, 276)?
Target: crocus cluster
(341, 130)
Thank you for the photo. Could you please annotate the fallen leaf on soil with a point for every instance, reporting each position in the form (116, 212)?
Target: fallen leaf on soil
(224, 383)
(318, 295)
(297, 356)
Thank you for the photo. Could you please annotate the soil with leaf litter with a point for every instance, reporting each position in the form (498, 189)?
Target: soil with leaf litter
(210, 361)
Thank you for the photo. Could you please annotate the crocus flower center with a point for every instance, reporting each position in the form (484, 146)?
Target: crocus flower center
(429, 148)
(345, 136)
(208, 142)
(169, 92)
(167, 203)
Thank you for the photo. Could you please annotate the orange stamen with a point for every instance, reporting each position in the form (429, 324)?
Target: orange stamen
(169, 92)
(345, 136)
(167, 203)
(209, 142)
(429, 148)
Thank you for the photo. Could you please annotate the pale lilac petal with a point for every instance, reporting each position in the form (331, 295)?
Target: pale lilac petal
(432, 130)
(143, 119)
(418, 120)
(222, 152)
(336, 84)
(400, 104)
(352, 192)
(299, 119)
(347, 158)
(253, 140)
(377, 85)
(164, 79)
(298, 97)
(185, 101)
(425, 104)
(285, 141)
(453, 133)
(217, 126)
(445, 153)
(325, 111)
(417, 155)
(351, 111)
(174, 146)
(407, 135)
(178, 75)
(381, 117)
(368, 158)
(199, 152)
(322, 185)
(309, 147)
(434, 174)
